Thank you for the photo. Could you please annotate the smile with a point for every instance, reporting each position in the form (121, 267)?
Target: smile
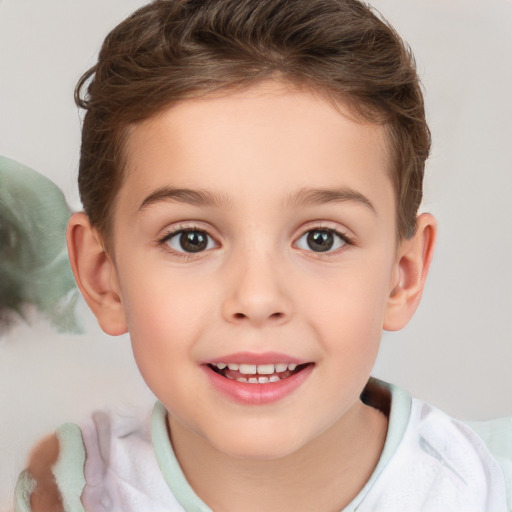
(254, 380)
(256, 374)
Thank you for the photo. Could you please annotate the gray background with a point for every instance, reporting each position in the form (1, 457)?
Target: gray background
(457, 351)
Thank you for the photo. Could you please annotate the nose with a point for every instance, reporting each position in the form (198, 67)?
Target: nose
(258, 293)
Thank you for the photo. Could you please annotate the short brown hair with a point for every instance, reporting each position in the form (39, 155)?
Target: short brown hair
(172, 50)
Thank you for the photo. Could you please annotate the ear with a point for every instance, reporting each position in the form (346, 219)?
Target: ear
(95, 274)
(412, 264)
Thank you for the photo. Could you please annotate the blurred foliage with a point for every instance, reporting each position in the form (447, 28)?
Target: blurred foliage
(34, 267)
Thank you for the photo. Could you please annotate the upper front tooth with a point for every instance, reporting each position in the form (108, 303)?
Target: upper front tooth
(248, 369)
(261, 369)
(265, 369)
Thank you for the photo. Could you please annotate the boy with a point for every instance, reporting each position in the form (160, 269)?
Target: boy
(251, 173)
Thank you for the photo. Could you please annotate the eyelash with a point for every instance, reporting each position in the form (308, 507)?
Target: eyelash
(347, 241)
(175, 232)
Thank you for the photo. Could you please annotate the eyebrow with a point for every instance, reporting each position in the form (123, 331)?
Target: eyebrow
(184, 195)
(318, 196)
(303, 197)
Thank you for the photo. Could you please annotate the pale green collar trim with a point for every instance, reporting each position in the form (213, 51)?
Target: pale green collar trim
(399, 413)
(170, 466)
(171, 470)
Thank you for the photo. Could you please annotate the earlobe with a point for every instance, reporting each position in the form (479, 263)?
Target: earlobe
(95, 274)
(413, 261)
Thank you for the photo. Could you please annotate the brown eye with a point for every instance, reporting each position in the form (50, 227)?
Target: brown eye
(190, 241)
(321, 240)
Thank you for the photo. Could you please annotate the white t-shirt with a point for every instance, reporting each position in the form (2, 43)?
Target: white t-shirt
(430, 463)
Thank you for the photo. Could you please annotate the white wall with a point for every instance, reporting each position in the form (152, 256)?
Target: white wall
(456, 353)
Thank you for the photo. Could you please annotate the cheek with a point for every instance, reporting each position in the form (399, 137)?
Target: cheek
(162, 338)
(161, 302)
(350, 300)
(348, 314)
(163, 321)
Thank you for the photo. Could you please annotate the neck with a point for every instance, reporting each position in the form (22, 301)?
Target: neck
(324, 475)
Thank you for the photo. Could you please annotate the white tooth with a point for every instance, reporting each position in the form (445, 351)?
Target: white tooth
(229, 377)
(263, 380)
(241, 379)
(247, 369)
(253, 380)
(265, 369)
(292, 367)
(221, 366)
(233, 366)
(274, 378)
(280, 368)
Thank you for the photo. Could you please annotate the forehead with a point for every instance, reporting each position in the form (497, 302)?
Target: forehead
(271, 138)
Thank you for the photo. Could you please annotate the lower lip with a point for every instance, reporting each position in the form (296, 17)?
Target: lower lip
(257, 394)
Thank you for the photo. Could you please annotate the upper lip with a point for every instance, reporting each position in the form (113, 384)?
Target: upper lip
(257, 359)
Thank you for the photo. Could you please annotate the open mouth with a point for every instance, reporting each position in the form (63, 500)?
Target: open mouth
(257, 373)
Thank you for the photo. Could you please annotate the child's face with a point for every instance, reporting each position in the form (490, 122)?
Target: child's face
(256, 228)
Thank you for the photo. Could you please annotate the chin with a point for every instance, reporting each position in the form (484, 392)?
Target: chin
(259, 446)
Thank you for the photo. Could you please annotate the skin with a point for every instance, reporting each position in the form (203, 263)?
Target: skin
(258, 287)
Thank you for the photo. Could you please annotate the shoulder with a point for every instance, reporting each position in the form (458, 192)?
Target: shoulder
(448, 441)
(457, 459)
(434, 462)
(483, 442)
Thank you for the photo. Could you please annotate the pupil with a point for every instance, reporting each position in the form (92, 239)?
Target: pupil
(320, 241)
(193, 241)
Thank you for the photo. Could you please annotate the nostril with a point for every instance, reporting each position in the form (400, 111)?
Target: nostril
(276, 316)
